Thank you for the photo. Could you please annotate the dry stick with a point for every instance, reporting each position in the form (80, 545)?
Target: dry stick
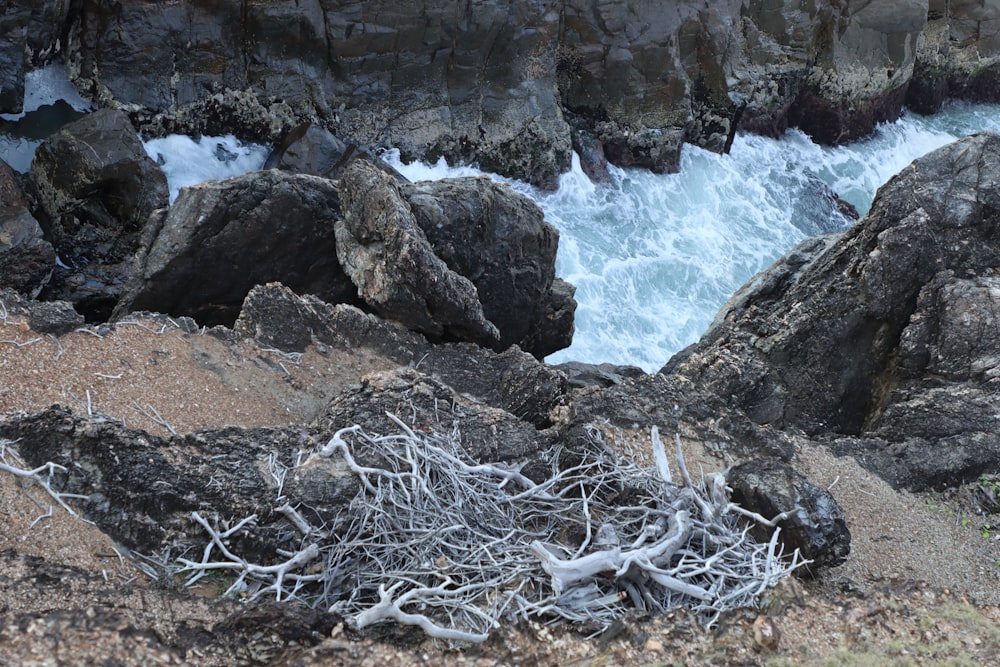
(154, 415)
(50, 468)
(279, 572)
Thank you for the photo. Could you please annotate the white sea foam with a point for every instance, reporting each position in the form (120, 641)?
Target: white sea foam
(186, 161)
(654, 257)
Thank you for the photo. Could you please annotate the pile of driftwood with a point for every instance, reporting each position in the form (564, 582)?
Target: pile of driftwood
(456, 547)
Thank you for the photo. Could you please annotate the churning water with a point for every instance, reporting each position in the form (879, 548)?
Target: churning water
(653, 257)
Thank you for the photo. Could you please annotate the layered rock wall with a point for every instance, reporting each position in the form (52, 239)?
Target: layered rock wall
(502, 82)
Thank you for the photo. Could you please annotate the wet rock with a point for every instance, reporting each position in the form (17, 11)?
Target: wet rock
(937, 426)
(958, 55)
(44, 317)
(501, 242)
(479, 79)
(512, 381)
(387, 255)
(817, 526)
(201, 257)
(96, 188)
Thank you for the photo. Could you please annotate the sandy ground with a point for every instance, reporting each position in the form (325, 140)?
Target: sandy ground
(920, 587)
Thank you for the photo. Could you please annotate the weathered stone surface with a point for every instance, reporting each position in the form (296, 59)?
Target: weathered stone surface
(140, 487)
(309, 149)
(601, 375)
(810, 342)
(501, 242)
(512, 381)
(96, 188)
(388, 256)
(426, 77)
(26, 259)
(201, 257)
(958, 54)
(45, 317)
(937, 427)
(817, 526)
(487, 434)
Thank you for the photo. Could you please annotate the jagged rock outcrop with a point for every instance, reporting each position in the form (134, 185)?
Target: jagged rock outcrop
(501, 242)
(460, 259)
(388, 256)
(96, 187)
(958, 54)
(886, 333)
(200, 257)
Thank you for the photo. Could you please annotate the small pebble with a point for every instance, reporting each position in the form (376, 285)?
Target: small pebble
(654, 645)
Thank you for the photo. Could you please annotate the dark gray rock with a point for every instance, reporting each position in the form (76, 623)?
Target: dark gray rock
(490, 84)
(579, 374)
(512, 381)
(423, 402)
(201, 257)
(389, 258)
(46, 317)
(26, 259)
(96, 188)
(501, 242)
(817, 526)
(140, 488)
(938, 425)
(310, 149)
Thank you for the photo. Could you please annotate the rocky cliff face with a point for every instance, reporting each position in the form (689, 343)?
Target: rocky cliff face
(501, 82)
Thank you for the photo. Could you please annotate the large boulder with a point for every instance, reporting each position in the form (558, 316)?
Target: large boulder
(811, 341)
(938, 424)
(500, 241)
(96, 188)
(815, 524)
(219, 239)
(390, 259)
